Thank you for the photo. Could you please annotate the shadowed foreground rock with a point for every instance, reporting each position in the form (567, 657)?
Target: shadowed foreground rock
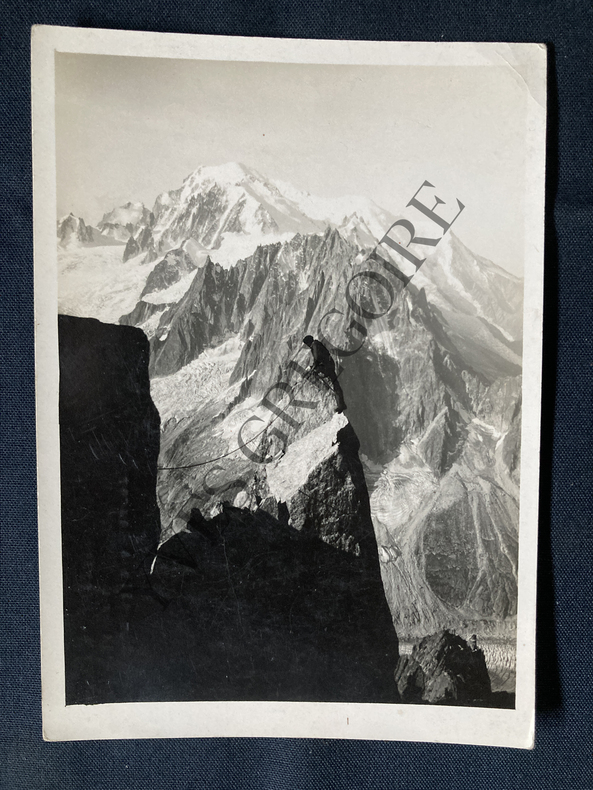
(272, 613)
(109, 445)
(444, 669)
(245, 605)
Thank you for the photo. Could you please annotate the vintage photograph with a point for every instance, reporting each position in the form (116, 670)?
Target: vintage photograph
(296, 316)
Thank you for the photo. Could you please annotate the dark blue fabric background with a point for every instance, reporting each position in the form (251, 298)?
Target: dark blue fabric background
(564, 735)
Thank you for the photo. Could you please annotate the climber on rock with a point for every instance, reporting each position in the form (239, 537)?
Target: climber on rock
(323, 365)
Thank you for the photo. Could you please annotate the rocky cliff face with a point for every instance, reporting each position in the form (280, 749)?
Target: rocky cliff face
(139, 243)
(460, 518)
(320, 481)
(268, 299)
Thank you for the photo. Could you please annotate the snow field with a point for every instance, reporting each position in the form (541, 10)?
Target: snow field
(93, 282)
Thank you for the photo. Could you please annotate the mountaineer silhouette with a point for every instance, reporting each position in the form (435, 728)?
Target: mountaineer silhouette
(324, 365)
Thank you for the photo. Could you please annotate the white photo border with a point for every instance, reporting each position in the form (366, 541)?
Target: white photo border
(441, 724)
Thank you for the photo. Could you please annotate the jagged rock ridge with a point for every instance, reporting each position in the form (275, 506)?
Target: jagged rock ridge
(73, 231)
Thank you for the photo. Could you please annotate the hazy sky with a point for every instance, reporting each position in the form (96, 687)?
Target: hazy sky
(129, 128)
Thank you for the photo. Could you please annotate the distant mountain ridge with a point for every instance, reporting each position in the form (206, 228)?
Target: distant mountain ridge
(229, 209)
(73, 231)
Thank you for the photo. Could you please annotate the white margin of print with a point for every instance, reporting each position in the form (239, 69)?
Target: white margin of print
(441, 724)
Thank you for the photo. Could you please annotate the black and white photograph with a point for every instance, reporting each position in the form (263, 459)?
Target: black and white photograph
(288, 303)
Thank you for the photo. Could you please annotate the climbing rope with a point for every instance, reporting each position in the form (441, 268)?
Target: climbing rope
(240, 447)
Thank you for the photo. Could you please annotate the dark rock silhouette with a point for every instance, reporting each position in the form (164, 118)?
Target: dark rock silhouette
(109, 444)
(270, 613)
(243, 605)
(443, 669)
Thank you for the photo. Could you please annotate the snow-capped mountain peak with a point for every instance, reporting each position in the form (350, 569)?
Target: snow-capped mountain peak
(232, 208)
(339, 211)
(230, 173)
(124, 222)
(129, 213)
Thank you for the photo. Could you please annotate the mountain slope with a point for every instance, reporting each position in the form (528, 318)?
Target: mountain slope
(478, 303)
(231, 209)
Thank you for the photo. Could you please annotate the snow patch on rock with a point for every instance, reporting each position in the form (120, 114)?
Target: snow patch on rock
(173, 293)
(292, 471)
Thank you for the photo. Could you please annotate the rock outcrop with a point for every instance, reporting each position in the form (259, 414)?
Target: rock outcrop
(443, 669)
(72, 227)
(169, 271)
(321, 482)
(73, 232)
(141, 242)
